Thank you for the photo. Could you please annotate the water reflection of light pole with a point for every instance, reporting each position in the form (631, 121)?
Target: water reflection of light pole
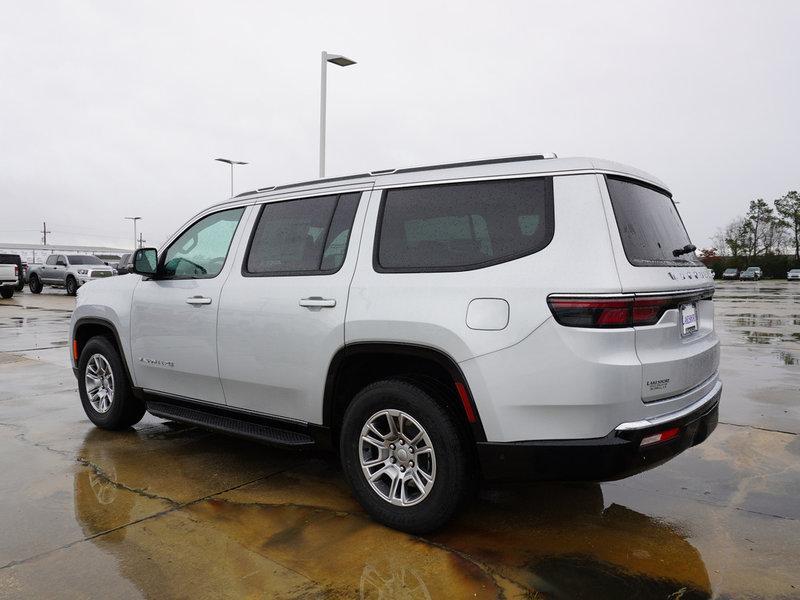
(341, 61)
(134, 219)
(231, 163)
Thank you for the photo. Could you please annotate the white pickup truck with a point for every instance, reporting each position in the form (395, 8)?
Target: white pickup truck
(9, 278)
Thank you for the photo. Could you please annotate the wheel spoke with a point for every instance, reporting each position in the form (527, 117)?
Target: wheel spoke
(393, 489)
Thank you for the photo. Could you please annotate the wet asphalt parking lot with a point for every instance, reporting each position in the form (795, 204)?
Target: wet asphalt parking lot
(167, 510)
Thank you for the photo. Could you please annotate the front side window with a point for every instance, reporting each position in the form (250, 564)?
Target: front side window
(51, 260)
(308, 236)
(200, 251)
(649, 224)
(462, 226)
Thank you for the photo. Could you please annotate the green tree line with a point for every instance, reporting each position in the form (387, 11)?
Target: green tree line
(762, 232)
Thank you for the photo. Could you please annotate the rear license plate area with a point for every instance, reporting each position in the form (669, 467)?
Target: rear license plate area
(688, 315)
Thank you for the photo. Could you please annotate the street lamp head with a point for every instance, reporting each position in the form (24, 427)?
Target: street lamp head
(133, 218)
(342, 61)
(231, 162)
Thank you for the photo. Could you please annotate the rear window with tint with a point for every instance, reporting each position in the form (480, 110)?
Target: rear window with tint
(649, 224)
(462, 226)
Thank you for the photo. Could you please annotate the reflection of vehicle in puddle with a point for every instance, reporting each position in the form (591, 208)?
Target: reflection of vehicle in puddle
(291, 535)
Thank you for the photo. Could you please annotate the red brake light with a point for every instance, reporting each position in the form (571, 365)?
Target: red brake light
(592, 312)
(618, 311)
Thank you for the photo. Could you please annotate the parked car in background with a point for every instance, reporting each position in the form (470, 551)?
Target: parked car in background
(68, 271)
(428, 323)
(16, 261)
(751, 273)
(9, 277)
(24, 278)
(731, 273)
(124, 265)
(793, 274)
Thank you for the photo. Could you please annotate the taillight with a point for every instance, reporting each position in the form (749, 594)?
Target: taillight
(606, 312)
(16, 271)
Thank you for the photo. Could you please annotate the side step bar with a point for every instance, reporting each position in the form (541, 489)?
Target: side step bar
(237, 425)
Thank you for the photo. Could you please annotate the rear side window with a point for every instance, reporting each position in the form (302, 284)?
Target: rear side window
(308, 236)
(463, 226)
(649, 224)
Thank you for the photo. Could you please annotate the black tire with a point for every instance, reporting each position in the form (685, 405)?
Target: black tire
(453, 480)
(34, 285)
(72, 286)
(6, 292)
(20, 286)
(126, 409)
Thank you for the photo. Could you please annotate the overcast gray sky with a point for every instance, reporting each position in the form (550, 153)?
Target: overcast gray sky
(111, 109)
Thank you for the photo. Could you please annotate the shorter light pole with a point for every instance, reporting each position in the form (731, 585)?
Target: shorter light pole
(231, 163)
(339, 60)
(134, 219)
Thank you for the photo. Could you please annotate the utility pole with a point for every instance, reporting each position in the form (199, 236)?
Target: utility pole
(141, 241)
(44, 233)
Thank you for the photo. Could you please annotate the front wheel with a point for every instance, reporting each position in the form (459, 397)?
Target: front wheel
(72, 286)
(405, 455)
(104, 388)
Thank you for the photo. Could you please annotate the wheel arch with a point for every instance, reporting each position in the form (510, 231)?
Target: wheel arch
(356, 365)
(88, 327)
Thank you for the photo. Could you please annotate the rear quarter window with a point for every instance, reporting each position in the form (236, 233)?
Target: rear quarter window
(463, 226)
(649, 224)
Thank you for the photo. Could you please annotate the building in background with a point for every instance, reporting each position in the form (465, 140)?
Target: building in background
(37, 253)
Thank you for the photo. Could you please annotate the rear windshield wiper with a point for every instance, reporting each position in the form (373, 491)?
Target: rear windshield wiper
(685, 250)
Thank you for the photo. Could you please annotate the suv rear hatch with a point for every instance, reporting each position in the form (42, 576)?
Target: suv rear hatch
(657, 264)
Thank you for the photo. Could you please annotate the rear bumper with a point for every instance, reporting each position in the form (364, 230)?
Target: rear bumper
(614, 456)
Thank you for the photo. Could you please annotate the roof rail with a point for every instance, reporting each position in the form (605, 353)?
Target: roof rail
(469, 163)
(474, 163)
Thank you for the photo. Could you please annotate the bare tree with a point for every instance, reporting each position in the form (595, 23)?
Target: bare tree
(732, 240)
(761, 228)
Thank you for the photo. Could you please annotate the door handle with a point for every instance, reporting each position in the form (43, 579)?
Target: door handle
(198, 300)
(318, 302)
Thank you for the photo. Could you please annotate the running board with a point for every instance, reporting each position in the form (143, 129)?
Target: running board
(226, 423)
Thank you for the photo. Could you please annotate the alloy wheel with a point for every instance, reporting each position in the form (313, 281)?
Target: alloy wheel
(99, 380)
(397, 457)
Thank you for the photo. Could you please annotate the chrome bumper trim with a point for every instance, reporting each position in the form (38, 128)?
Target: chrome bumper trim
(663, 419)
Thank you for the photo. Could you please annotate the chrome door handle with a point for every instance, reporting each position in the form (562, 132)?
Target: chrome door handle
(198, 300)
(318, 302)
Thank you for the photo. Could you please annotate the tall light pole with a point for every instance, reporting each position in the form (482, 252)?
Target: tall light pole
(342, 61)
(231, 163)
(134, 219)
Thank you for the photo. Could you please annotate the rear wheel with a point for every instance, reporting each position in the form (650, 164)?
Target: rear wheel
(104, 388)
(35, 285)
(6, 292)
(405, 455)
(72, 286)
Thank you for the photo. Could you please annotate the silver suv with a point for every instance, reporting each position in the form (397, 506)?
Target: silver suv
(530, 317)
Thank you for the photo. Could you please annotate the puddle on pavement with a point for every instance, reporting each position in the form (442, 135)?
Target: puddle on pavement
(527, 540)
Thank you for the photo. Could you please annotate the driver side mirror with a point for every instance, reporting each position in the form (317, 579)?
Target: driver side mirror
(145, 261)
